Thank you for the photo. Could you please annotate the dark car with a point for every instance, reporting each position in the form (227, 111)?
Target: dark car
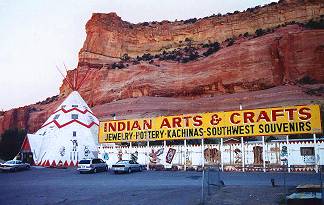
(14, 165)
(127, 166)
(92, 165)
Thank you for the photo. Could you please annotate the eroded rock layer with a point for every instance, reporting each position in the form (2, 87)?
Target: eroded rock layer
(280, 64)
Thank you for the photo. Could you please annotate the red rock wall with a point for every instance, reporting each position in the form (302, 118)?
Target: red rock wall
(283, 57)
(235, 74)
(109, 37)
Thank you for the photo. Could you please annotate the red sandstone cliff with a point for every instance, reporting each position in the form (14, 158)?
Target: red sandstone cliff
(270, 70)
(109, 37)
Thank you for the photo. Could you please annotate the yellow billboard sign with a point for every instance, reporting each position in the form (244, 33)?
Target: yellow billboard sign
(242, 123)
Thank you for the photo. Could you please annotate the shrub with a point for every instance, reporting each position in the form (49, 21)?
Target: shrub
(307, 80)
(147, 57)
(135, 62)
(119, 65)
(193, 20)
(246, 34)
(259, 32)
(315, 24)
(231, 41)
(214, 47)
(11, 141)
(125, 57)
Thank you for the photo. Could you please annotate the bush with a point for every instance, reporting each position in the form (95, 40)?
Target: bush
(125, 57)
(147, 57)
(214, 47)
(231, 41)
(11, 141)
(119, 65)
(315, 24)
(307, 80)
(193, 20)
(260, 32)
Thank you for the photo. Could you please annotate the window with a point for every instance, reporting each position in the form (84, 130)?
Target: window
(307, 151)
(63, 106)
(91, 118)
(74, 133)
(96, 161)
(74, 116)
(56, 116)
(74, 105)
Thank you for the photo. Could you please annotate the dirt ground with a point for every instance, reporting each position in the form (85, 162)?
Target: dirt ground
(252, 195)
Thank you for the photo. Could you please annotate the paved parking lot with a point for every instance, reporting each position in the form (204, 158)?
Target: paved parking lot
(67, 186)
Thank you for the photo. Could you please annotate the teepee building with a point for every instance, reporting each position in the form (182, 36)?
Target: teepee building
(68, 135)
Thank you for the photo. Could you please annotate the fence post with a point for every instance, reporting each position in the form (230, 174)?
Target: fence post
(221, 149)
(243, 157)
(263, 154)
(287, 140)
(315, 153)
(185, 154)
(148, 155)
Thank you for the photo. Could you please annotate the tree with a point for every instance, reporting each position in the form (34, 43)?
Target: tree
(11, 141)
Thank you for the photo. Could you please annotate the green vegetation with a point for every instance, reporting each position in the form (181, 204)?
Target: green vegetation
(212, 48)
(11, 141)
(315, 24)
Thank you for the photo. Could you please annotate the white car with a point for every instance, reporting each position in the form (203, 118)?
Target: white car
(127, 166)
(14, 165)
(92, 165)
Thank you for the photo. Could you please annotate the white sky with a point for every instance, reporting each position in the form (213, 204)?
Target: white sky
(37, 35)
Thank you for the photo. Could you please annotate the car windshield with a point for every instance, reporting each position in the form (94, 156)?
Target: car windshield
(84, 162)
(11, 162)
(122, 162)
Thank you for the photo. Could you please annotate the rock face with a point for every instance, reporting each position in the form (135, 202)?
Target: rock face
(284, 57)
(283, 67)
(109, 37)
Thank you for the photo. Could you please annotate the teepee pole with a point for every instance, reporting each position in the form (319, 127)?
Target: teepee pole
(65, 78)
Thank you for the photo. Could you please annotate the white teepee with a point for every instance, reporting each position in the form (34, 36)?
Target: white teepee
(69, 134)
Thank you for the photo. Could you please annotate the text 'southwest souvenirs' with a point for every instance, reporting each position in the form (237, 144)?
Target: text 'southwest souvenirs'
(243, 123)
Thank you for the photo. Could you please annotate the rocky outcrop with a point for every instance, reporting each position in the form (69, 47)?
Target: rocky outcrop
(283, 67)
(286, 56)
(109, 37)
(29, 117)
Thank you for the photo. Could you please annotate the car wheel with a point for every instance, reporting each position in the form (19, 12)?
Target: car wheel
(95, 170)
(129, 170)
(28, 167)
(115, 172)
(14, 169)
(140, 169)
(106, 168)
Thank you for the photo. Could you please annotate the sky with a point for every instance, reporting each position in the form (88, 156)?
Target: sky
(38, 35)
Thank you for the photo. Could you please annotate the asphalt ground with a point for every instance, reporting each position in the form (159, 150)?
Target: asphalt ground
(67, 186)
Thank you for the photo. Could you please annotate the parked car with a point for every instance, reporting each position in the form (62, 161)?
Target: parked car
(92, 165)
(127, 166)
(14, 165)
